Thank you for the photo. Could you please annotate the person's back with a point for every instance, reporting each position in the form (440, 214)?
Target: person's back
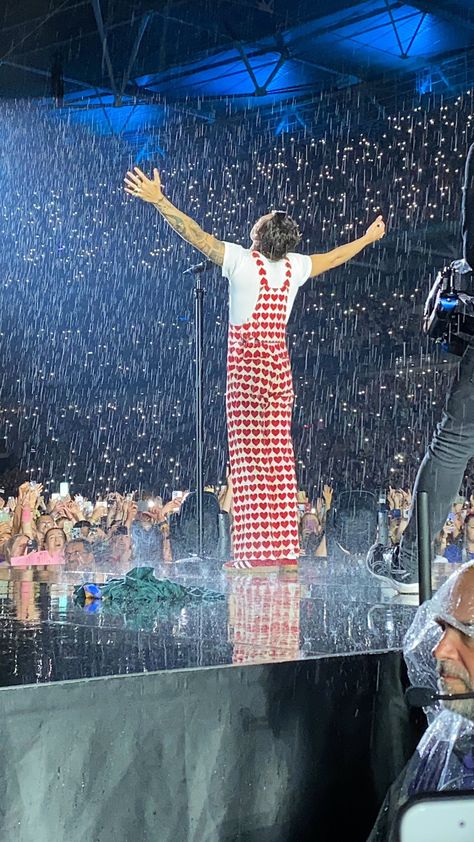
(183, 527)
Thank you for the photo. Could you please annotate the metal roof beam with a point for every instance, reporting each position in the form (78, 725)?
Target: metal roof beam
(133, 56)
(36, 71)
(441, 12)
(404, 52)
(105, 49)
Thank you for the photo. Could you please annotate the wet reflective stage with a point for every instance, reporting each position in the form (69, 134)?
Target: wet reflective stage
(328, 608)
(303, 701)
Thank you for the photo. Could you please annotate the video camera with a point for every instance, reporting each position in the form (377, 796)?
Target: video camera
(448, 316)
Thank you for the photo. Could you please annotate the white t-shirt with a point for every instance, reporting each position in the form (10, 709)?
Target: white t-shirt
(242, 272)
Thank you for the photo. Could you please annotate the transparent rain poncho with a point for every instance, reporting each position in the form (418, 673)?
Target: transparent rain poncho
(444, 757)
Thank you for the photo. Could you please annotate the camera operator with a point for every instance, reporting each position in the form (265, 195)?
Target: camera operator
(452, 445)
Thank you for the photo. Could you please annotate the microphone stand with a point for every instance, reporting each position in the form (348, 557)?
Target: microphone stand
(424, 545)
(199, 292)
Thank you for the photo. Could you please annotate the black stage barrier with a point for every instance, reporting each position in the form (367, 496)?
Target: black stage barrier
(276, 752)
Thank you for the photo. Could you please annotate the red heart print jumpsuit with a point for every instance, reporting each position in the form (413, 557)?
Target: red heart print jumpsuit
(259, 410)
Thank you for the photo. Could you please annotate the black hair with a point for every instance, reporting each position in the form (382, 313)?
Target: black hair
(87, 544)
(54, 529)
(277, 236)
(121, 530)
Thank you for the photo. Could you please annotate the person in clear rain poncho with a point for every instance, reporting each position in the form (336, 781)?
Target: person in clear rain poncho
(439, 652)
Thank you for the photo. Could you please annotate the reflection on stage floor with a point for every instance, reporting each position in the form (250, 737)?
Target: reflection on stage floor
(327, 608)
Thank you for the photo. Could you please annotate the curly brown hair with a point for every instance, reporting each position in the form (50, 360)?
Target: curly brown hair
(277, 236)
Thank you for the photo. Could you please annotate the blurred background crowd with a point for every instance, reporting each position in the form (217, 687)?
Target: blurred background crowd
(115, 532)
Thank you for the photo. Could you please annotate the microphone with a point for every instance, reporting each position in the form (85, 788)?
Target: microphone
(423, 697)
(199, 267)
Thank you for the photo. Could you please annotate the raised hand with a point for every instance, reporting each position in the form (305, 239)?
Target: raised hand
(100, 511)
(130, 512)
(406, 500)
(327, 494)
(375, 231)
(142, 187)
(73, 511)
(23, 491)
(172, 506)
(30, 498)
(394, 498)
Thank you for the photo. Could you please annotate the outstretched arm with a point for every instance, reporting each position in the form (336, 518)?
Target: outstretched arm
(190, 231)
(322, 262)
(149, 190)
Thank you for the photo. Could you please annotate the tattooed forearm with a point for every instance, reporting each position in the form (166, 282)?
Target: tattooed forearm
(190, 231)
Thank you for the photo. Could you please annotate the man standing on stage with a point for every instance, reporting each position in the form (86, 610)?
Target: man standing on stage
(264, 281)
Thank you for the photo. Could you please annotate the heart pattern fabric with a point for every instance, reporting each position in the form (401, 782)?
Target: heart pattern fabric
(259, 403)
(266, 619)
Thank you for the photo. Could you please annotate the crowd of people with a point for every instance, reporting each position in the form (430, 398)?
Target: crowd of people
(109, 534)
(116, 532)
(454, 544)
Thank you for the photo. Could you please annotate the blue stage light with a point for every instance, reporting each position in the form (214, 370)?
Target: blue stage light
(448, 301)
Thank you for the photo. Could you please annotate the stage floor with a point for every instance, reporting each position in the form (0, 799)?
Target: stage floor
(328, 608)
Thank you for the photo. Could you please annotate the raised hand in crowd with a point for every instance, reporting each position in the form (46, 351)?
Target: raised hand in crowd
(327, 495)
(171, 507)
(395, 498)
(404, 499)
(130, 510)
(99, 511)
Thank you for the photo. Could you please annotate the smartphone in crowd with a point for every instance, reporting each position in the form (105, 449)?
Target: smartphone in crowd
(450, 520)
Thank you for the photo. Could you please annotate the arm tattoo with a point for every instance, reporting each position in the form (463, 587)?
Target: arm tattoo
(190, 231)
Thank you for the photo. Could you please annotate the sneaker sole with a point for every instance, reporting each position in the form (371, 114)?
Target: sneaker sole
(250, 570)
(380, 576)
(400, 587)
(406, 587)
(385, 579)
